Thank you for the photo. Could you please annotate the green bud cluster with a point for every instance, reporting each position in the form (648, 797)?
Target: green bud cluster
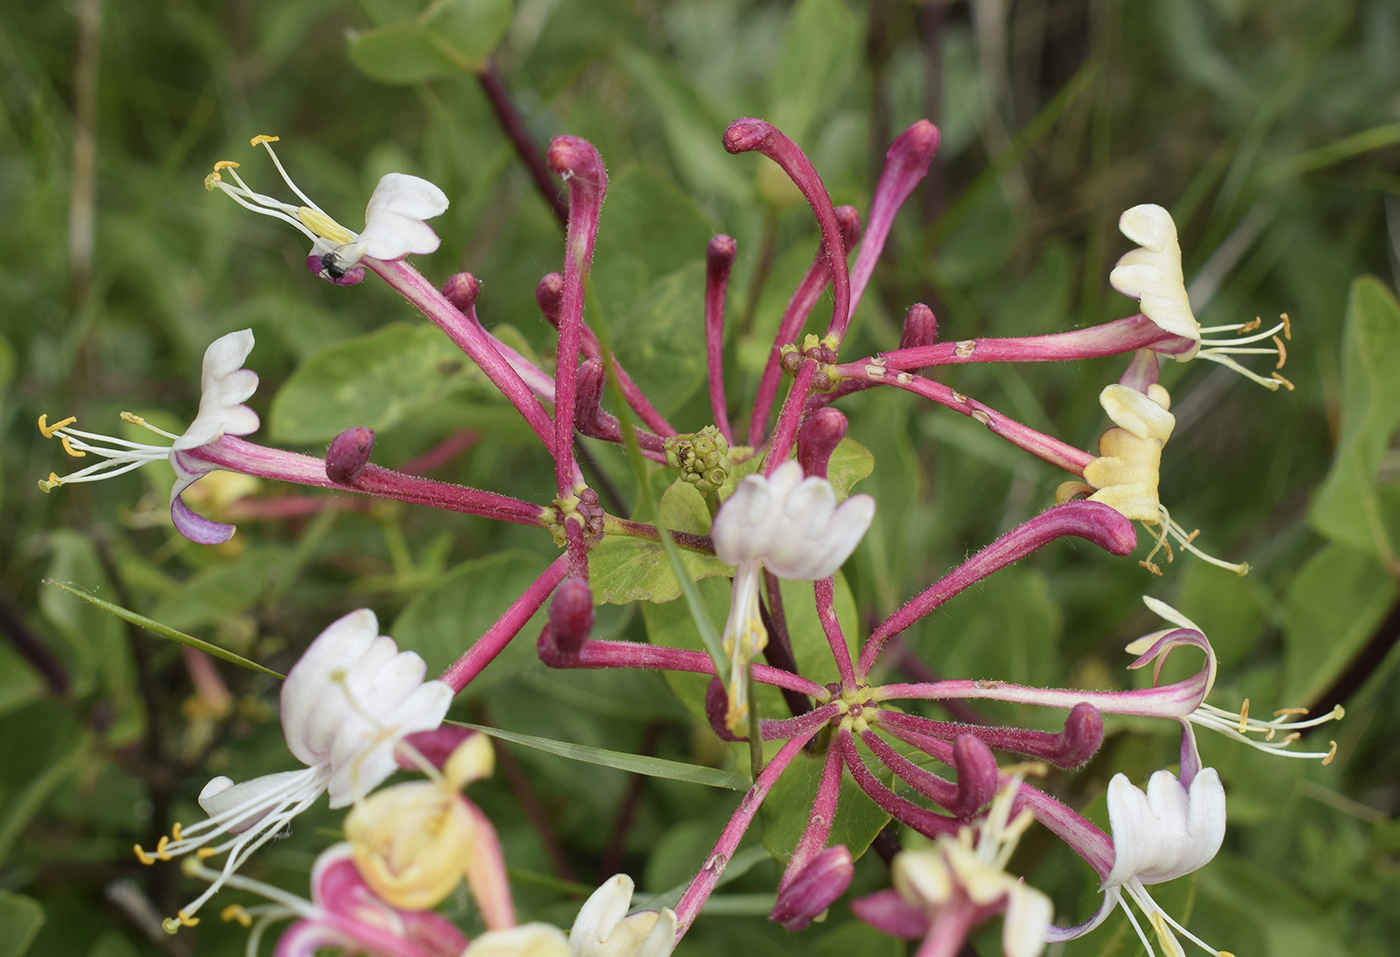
(701, 457)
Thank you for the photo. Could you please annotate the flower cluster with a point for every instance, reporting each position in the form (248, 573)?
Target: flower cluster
(355, 707)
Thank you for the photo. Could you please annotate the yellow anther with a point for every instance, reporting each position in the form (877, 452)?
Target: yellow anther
(1282, 352)
(175, 831)
(263, 138)
(237, 912)
(133, 418)
(1244, 716)
(1153, 567)
(70, 450)
(186, 920)
(161, 852)
(204, 853)
(225, 164)
(142, 856)
(1283, 711)
(48, 430)
(1249, 326)
(1287, 328)
(1223, 953)
(1281, 381)
(1331, 753)
(1292, 737)
(1268, 735)
(51, 483)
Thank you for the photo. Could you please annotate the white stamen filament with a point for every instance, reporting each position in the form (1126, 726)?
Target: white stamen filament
(1228, 723)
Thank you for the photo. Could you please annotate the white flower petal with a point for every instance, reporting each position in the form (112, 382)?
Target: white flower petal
(394, 225)
(1137, 412)
(1152, 275)
(527, 940)
(307, 687)
(1028, 916)
(600, 915)
(224, 386)
(367, 758)
(1167, 831)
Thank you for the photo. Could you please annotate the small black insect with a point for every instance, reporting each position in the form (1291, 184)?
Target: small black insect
(330, 266)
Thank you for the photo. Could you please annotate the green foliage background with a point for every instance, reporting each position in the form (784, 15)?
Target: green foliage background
(1267, 127)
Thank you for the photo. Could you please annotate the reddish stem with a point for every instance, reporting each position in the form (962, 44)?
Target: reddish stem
(1107, 339)
(719, 260)
(825, 590)
(489, 645)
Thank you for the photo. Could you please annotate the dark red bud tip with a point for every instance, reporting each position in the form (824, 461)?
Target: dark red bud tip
(333, 273)
(717, 709)
(747, 134)
(1081, 738)
(977, 774)
(920, 327)
(549, 295)
(571, 615)
(821, 433)
(720, 256)
(918, 143)
(461, 291)
(815, 888)
(435, 746)
(1092, 521)
(849, 220)
(574, 158)
(591, 380)
(348, 455)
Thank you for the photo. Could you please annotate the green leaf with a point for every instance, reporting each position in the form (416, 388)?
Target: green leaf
(1333, 605)
(817, 57)
(373, 381)
(19, 682)
(402, 53)
(156, 628)
(622, 761)
(623, 570)
(20, 920)
(466, 31)
(1347, 507)
(443, 622)
(850, 462)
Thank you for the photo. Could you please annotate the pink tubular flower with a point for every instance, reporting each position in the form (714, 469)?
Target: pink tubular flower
(345, 704)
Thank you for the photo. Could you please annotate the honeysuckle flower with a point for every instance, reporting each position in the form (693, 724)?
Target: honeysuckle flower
(1159, 835)
(394, 218)
(225, 386)
(414, 842)
(344, 705)
(603, 927)
(943, 891)
(1126, 474)
(792, 526)
(1152, 275)
(343, 914)
(535, 939)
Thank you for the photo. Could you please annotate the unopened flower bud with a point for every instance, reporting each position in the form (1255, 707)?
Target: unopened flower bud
(571, 614)
(1081, 738)
(701, 457)
(849, 220)
(348, 455)
(328, 268)
(719, 258)
(977, 775)
(578, 162)
(461, 290)
(549, 295)
(717, 709)
(920, 327)
(821, 433)
(807, 896)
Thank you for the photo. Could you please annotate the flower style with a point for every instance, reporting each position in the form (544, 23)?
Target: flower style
(941, 892)
(1152, 275)
(1158, 835)
(413, 842)
(345, 703)
(792, 526)
(394, 219)
(225, 386)
(343, 914)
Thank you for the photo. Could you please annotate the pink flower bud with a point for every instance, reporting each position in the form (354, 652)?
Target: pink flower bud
(348, 455)
(461, 290)
(821, 433)
(549, 295)
(807, 896)
(977, 775)
(920, 327)
(577, 161)
(571, 615)
(849, 220)
(326, 266)
(719, 257)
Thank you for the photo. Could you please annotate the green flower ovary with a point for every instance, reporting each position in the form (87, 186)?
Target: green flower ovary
(701, 457)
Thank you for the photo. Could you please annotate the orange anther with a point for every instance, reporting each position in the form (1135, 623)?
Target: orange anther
(186, 920)
(225, 164)
(142, 856)
(204, 853)
(1283, 711)
(175, 831)
(1282, 381)
(161, 852)
(1244, 716)
(263, 138)
(1282, 352)
(1287, 327)
(69, 449)
(1249, 326)
(237, 912)
(48, 430)
(1331, 753)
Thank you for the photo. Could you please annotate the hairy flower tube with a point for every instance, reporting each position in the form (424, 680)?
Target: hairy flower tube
(343, 913)
(225, 386)
(942, 892)
(1161, 834)
(1152, 275)
(344, 704)
(414, 842)
(792, 526)
(394, 218)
